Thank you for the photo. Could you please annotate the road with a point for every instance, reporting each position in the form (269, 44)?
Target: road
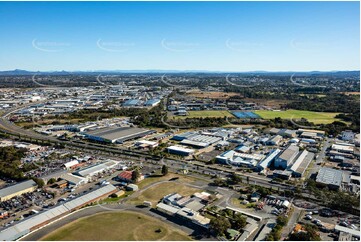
(292, 220)
(321, 156)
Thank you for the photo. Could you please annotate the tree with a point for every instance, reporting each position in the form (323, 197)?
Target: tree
(52, 180)
(135, 175)
(282, 220)
(39, 182)
(239, 221)
(164, 170)
(219, 225)
(235, 179)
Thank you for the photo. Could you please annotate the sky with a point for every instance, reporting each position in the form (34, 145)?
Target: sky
(210, 36)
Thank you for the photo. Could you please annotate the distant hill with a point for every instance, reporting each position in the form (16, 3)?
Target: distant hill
(17, 72)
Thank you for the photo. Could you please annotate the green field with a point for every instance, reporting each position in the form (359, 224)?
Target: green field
(207, 113)
(119, 226)
(157, 192)
(314, 117)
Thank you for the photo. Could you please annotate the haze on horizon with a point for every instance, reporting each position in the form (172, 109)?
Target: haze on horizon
(206, 36)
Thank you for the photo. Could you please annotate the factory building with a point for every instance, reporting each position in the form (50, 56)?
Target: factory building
(302, 162)
(331, 177)
(200, 140)
(116, 134)
(287, 156)
(91, 171)
(179, 150)
(132, 103)
(27, 225)
(275, 140)
(263, 164)
(180, 137)
(343, 148)
(152, 102)
(347, 135)
(234, 158)
(16, 190)
(73, 180)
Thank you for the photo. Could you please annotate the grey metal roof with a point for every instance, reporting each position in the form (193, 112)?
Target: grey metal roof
(19, 229)
(329, 176)
(290, 152)
(115, 133)
(266, 162)
(96, 168)
(302, 162)
(168, 208)
(72, 179)
(17, 188)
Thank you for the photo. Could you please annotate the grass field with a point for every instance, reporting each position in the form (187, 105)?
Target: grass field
(156, 192)
(314, 117)
(121, 226)
(149, 180)
(206, 113)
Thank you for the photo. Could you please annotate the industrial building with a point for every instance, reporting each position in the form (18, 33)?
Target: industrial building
(152, 102)
(352, 232)
(287, 156)
(116, 134)
(16, 190)
(90, 171)
(179, 150)
(234, 158)
(184, 213)
(263, 164)
(343, 148)
(302, 162)
(319, 133)
(348, 135)
(331, 177)
(132, 103)
(71, 164)
(275, 140)
(74, 180)
(284, 132)
(200, 140)
(26, 226)
(142, 144)
(180, 137)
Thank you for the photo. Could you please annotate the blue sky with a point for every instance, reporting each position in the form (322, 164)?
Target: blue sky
(219, 36)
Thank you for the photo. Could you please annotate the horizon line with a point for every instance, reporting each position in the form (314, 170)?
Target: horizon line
(172, 70)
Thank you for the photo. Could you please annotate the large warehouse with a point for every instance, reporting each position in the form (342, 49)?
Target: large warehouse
(16, 190)
(116, 134)
(93, 170)
(27, 225)
(330, 177)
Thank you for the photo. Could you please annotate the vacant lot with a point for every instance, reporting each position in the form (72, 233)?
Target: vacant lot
(206, 113)
(314, 117)
(158, 191)
(117, 226)
(157, 177)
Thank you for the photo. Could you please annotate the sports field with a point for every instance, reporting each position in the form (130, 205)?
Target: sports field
(207, 113)
(314, 117)
(122, 226)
